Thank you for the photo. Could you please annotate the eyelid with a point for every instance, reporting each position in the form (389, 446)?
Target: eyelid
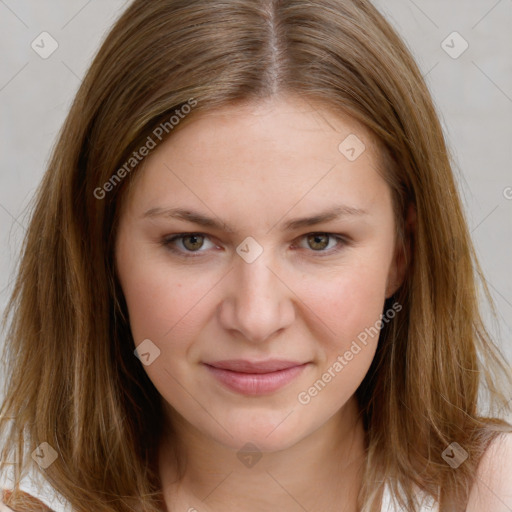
(168, 241)
(342, 241)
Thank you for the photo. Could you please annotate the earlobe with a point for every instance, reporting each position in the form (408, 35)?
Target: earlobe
(403, 254)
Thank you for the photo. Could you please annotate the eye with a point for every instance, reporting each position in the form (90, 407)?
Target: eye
(319, 242)
(186, 244)
(190, 242)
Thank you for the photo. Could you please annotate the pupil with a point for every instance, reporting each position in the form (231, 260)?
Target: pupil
(315, 240)
(194, 239)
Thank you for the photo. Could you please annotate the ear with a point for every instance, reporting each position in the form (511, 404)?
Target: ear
(403, 254)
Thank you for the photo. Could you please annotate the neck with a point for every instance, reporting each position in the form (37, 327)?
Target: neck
(322, 472)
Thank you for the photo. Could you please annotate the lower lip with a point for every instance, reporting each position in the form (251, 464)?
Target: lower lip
(256, 383)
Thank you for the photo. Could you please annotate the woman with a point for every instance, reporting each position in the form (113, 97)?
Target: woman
(248, 282)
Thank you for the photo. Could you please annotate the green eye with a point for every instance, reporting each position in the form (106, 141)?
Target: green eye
(324, 244)
(318, 241)
(196, 242)
(190, 244)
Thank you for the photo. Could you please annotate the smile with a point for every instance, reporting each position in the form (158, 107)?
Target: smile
(255, 378)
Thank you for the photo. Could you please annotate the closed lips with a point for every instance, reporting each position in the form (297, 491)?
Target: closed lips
(255, 378)
(243, 366)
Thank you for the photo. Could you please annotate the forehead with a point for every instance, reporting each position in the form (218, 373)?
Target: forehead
(287, 146)
(276, 121)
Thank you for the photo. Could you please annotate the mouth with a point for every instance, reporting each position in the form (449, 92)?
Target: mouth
(255, 378)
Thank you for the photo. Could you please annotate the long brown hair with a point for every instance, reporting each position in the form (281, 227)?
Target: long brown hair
(73, 381)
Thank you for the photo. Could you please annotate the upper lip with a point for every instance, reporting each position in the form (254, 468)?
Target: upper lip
(244, 366)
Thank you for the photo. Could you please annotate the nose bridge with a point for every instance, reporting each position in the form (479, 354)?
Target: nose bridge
(259, 305)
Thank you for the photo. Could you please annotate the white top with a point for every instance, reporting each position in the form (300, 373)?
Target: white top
(427, 505)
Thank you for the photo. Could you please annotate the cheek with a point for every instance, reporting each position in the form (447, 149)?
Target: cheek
(346, 301)
(161, 302)
(351, 306)
(167, 303)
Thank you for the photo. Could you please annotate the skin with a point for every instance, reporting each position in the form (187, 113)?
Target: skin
(492, 489)
(256, 166)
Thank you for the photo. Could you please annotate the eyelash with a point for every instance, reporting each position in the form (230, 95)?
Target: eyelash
(168, 242)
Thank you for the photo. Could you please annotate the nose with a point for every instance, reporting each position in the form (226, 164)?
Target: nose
(259, 302)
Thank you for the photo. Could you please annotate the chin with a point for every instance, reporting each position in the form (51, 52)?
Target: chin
(269, 432)
(260, 441)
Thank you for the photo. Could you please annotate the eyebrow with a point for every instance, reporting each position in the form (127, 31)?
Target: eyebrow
(334, 213)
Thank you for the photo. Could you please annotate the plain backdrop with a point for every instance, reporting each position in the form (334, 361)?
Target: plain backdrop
(472, 91)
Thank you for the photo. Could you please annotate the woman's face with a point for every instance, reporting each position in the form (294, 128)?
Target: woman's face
(258, 325)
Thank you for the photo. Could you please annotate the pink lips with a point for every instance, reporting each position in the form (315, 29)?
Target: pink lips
(255, 378)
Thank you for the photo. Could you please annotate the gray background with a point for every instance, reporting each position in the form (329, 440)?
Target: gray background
(473, 94)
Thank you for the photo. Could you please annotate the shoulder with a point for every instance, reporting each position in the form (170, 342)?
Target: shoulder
(23, 502)
(492, 489)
